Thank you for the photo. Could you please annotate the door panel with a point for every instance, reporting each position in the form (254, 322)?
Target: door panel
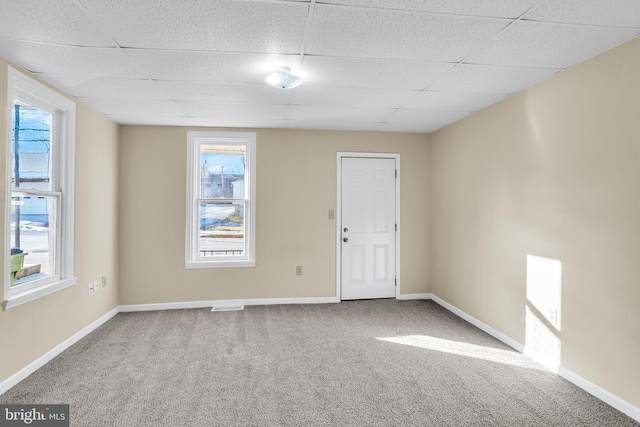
(381, 258)
(368, 228)
(380, 211)
(356, 253)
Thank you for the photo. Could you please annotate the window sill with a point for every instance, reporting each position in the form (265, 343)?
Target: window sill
(34, 294)
(219, 264)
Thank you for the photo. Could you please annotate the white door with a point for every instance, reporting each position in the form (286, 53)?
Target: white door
(368, 228)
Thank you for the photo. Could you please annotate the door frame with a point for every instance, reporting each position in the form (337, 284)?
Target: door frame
(347, 154)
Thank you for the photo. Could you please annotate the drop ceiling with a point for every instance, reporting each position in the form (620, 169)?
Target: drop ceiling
(381, 65)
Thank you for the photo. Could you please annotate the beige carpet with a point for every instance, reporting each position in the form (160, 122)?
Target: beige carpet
(360, 363)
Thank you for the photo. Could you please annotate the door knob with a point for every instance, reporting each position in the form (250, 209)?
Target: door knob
(345, 240)
(346, 229)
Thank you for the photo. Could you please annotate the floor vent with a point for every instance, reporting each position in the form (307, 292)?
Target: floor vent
(228, 308)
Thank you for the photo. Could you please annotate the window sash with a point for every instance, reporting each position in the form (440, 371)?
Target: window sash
(54, 243)
(227, 256)
(35, 192)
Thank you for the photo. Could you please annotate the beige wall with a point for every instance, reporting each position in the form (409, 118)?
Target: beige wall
(554, 172)
(296, 187)
(32, 329)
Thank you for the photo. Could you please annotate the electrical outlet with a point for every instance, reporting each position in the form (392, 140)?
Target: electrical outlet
(332, 214)
(298, 270)
(104, 281)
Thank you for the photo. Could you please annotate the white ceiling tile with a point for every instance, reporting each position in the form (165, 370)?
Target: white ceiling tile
(333, 125)
(490, 79)
(59, 21)
(490, 8)
(150, 120)
(197, 121)
(258, 93)
(220, 25)
(419, 116)
(242, 122)
(371, 115)
(234, 111)
(370, 73)
(537, 44)
(337, 31)
(105, 87)
(136, 107)
(423, 127)
(209, 66)
(427, 118)
(453, 101)
(57, 59)
(619, 13)
(352, 97)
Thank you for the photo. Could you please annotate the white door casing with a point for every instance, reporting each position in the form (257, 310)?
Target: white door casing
(367, 221)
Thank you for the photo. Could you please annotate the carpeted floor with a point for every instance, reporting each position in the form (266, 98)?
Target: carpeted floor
(360, 363)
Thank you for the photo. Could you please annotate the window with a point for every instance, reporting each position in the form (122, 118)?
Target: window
(40, 178)
(220, 200)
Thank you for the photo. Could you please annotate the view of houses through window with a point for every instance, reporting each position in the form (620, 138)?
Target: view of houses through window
(33, 204)
(222, 200)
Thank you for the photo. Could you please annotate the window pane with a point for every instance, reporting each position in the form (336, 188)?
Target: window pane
(30, 147)
(31, 242)
(222, 171)
(221, 229)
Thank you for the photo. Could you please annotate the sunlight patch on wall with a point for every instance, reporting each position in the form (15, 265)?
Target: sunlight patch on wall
(543, 311)
(544, 287)
(490, 354)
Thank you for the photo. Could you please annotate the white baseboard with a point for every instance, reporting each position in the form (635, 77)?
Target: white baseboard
(48, 356)
(480, 325)
(607, 397)
(414, 296)
(225, 303)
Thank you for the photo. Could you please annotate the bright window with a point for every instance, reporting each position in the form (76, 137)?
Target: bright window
(40, 180)
(220, 200)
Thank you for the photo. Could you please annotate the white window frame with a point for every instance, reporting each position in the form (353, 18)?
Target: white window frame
(195, 139)
(63, 138)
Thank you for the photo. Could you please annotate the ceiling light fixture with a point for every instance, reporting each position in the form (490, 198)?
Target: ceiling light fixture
(282, 78)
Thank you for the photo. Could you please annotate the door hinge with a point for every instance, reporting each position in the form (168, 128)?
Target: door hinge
(396, 173)
(395, 282)
(396, 227)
